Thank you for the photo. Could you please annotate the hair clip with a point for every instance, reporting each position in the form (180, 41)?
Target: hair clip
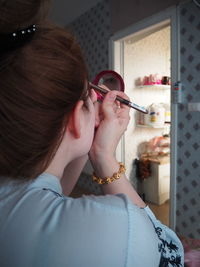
(16, 39)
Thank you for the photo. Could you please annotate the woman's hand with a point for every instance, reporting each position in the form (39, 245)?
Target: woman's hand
(111, 126)
(114, 118)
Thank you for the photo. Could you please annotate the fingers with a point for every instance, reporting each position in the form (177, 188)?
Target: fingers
(112, 95)
(124, 96)
(123, 109)
(93, 96)
(109, 105)
(98, 114)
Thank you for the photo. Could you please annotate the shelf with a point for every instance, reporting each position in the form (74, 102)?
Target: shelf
(153, 127)
(158, 86)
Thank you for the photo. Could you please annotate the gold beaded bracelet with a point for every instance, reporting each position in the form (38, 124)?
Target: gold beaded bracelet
(108, 180)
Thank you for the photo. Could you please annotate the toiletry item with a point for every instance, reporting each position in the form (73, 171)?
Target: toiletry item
(167, 112)
(166, 80)
(140, 118)
(156, 115)
(152, 79)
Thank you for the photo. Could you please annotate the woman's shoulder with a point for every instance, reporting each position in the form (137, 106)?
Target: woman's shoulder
(118, 202)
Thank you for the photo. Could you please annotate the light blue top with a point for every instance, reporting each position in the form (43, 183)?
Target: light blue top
(39, 227)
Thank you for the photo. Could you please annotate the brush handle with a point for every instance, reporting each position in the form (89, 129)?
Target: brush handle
(120, 99)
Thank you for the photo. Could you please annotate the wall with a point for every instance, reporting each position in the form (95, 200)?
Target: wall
(188, 143)
(92, 30)
(127, 12)
(144, 56)
(64, 12)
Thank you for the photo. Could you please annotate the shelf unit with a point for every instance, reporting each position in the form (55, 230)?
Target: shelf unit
(156, 187)
(155, 127)
(158, 86)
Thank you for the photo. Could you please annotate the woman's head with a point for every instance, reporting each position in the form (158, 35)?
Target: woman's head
(40, 83)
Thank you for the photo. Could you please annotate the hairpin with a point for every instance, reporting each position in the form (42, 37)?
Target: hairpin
(16, 39)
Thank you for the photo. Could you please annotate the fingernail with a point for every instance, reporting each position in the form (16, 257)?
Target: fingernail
(112, 95)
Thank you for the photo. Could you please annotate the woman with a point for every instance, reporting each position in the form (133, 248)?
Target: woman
(48, 127)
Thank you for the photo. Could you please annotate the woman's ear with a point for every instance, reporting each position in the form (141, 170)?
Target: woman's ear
(75, 119)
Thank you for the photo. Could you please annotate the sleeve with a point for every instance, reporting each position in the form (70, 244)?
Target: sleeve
(170, 247)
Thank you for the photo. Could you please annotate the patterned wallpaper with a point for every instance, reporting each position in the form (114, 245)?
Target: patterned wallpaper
(188, 162)
(93, 31)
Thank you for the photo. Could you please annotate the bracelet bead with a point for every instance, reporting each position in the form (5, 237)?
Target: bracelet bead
(107, 179)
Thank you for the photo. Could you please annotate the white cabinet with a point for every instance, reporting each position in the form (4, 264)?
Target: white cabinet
(156, 187)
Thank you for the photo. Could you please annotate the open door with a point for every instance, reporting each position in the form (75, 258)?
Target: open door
(131, 55)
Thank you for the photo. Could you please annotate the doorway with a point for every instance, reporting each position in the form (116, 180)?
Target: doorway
(146, 56)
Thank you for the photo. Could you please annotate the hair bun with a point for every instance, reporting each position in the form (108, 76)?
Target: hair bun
(16, 39)
(20, 14)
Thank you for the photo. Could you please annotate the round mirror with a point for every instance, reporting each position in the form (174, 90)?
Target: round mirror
(111, 79)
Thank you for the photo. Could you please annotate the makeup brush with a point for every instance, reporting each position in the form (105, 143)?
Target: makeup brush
(120, 99)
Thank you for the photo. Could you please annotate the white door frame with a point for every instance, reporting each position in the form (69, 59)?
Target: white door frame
(116, 63)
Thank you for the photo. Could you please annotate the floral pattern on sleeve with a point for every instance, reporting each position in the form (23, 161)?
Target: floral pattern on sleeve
(169, 251)
(170, 247)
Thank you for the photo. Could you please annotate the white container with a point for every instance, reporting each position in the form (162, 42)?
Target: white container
(167, 112)
(156, 115)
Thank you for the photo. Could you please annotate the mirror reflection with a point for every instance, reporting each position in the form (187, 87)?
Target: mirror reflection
(111, 79)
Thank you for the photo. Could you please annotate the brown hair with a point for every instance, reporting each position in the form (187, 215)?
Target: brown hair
(17, 14)
(39, 85)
